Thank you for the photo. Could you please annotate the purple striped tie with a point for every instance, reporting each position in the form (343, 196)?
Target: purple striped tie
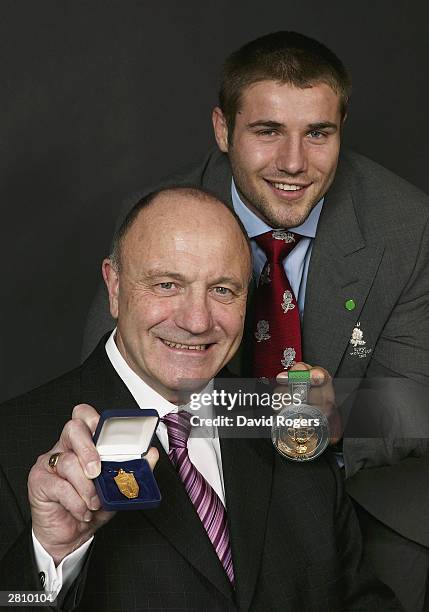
(206, 501)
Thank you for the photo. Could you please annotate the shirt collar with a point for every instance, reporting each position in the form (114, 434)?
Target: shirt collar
(255, 226)
(145, 396)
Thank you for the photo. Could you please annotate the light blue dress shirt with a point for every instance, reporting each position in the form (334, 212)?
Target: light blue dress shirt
(297, 262)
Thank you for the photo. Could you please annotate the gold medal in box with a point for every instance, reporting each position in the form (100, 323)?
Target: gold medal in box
(301, 432)
(122, 439)
(127, 484)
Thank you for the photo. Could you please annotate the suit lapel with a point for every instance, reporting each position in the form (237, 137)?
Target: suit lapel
(342, 267)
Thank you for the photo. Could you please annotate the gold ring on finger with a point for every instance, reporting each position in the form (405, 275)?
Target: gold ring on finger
(53, 460)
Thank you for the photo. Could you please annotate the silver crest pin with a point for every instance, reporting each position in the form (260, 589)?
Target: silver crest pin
(287, 303)
(280, 234)
(288, 357)
(358, 343)
(262, 329)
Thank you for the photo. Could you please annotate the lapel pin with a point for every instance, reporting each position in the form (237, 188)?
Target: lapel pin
(358, 343)
(350, 304)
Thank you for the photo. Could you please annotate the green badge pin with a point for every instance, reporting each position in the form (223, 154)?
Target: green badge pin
(350, 304)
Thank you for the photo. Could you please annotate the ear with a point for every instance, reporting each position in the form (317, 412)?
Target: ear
(220, 129)
(111, 278)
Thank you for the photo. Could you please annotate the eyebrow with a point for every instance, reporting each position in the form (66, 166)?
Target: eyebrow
(267, 123)
(227, 280)
(154, 272)
(323, 125)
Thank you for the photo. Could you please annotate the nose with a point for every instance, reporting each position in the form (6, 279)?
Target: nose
(291, 156)
(194, 314)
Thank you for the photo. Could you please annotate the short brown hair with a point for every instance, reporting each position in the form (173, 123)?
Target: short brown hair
(286, 57)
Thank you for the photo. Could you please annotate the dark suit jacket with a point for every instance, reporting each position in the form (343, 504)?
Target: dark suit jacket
(294, 536)
(372, 245)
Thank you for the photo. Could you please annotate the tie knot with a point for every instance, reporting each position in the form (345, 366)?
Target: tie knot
(178, 427)
(277, 244)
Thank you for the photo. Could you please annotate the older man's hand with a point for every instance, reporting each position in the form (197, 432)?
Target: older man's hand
(322, 395)
(65, 507)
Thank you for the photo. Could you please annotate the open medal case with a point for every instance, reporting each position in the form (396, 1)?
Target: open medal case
(122, 439)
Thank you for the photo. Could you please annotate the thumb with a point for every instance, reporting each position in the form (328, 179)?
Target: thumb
(152, 457)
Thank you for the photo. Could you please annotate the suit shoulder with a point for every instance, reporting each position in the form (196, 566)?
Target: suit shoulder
(62, 390)
(214, 165)
(370, 182)
(211, 172)
(32, 422)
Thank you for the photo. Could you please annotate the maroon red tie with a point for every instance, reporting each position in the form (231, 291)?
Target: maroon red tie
(205, 499)
(277, 327)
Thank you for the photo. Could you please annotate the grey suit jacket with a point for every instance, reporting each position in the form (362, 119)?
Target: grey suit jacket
(372, 245)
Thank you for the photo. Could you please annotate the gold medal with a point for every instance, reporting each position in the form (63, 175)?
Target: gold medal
(298, 443)
(127, 484)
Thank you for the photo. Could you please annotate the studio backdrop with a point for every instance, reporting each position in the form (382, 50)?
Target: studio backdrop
(101, 98)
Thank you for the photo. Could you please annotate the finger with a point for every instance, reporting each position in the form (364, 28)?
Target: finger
(323, 398)
(283, 377)
(323, 395)
(335, 427)
(76, 437)
(69, 468)
(335, 430)
(300, 366)
(87, 414)
(318, 375)
(52, 488)
(101, 517)
(281, 398)
(152, 457)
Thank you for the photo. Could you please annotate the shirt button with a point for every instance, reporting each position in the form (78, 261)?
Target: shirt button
(42, 578)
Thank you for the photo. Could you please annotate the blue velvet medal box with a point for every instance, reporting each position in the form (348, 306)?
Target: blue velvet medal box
(122, 438)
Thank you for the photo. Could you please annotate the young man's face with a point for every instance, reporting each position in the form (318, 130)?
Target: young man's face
(284, 148)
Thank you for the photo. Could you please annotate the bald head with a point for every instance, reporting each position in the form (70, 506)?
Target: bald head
(165, 210)
(179, 291)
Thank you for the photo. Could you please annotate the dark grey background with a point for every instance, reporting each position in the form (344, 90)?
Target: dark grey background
(99, 98)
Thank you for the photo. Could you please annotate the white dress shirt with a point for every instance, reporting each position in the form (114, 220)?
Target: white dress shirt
(204, 452)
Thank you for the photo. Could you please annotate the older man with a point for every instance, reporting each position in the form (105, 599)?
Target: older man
(279, 535)
(357, 275)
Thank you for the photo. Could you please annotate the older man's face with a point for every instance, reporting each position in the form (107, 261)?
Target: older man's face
(180, 296)
(284, 149)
